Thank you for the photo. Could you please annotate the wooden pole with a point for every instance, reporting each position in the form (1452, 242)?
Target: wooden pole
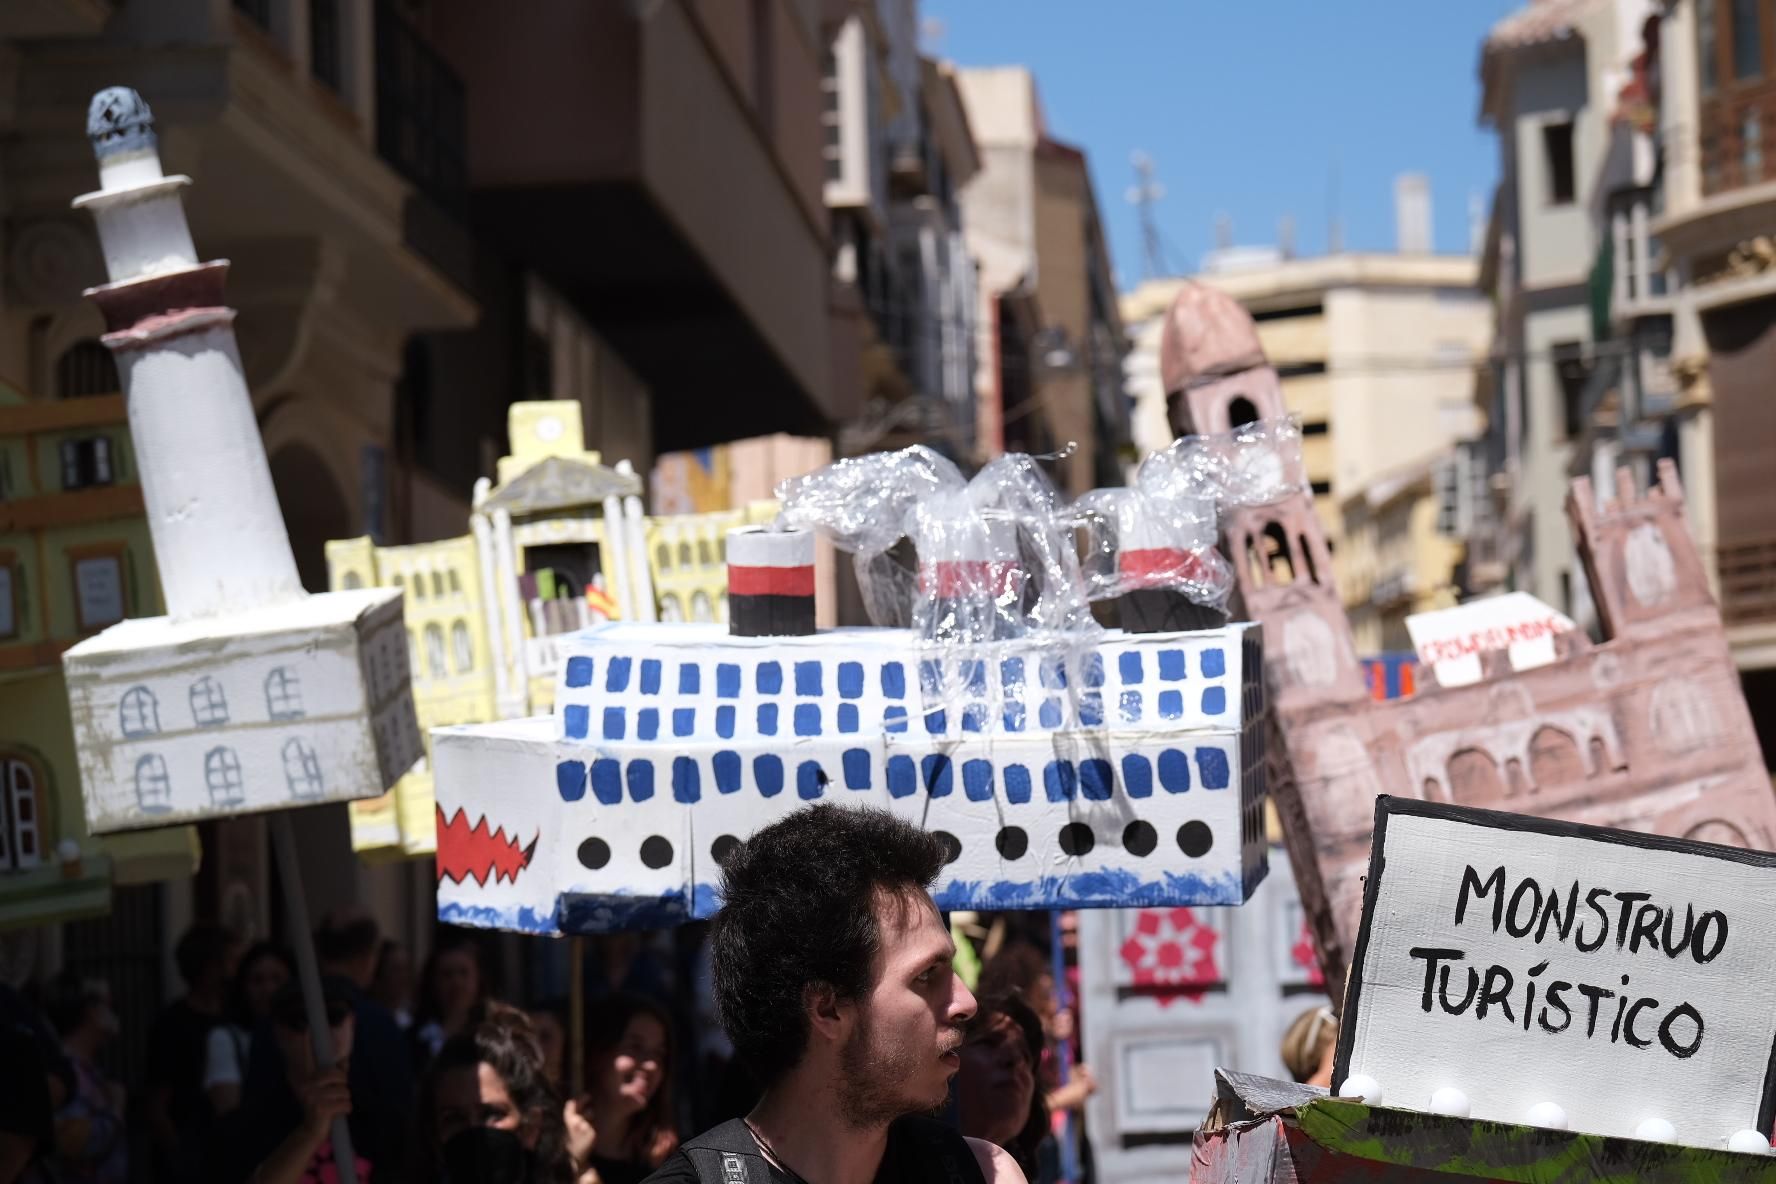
(308, 973)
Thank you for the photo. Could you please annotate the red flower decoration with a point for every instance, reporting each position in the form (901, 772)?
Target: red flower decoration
(1303, 953)
(1174, 952)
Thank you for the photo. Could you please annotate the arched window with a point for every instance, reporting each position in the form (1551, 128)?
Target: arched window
(1241, 411)
(670, 609)
(86, 368)
(21, 841)
(701, 609)
(209, 706)
(1279, 564)
(154, 793)
(283, 694)
(435, 651)
(705, 553)
(222, 774)
(437, 583)
(455, 584)
(419, 588)
(463, 647)
(663, 557)
(302, 770)
(401, 582)
(139, 713)
(684, 555)
(351, 580)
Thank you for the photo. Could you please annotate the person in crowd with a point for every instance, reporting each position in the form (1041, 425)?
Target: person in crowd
(180, 1120)
(551, 1034)
(392, 983)
(487, 1115)
(262, 971)
(347, 943)
(1308, 1046)
(1021, 968)
(452, 992)
(90, 1145)
(281, 1132)
(996, 1095)
(37, 1081)
(628, 1104)
(833, 978)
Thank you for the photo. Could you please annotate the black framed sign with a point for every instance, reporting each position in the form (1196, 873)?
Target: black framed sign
(1528, 970)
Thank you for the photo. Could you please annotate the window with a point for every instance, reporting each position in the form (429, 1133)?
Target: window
(684, 555)
(323, 44)
(20, 836)
(222, 774)
(701, 609)
(351, 580)
(1320, 488)
(98, 589)
(413, 656)
(705, 553)
(10, 584)
(1241, 411)
(86, 368)
(1707, 44)
(209, 705)
(1557, 150)
(1315, 427)
(419, 585)
(302, 770)
(663, 557)
(438, 583)
(465, 650)
(832, 146)
(455, 584)
(1571, 372)
(1751, 148)
(139, 712)
(1748, 41)
(434, 637)
(86, 462)
(283, 694)
(154, 792)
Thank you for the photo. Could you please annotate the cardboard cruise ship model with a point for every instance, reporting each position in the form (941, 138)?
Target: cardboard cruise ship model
(1062, 764)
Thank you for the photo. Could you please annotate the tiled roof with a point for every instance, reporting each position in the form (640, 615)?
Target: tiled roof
(1539, 21)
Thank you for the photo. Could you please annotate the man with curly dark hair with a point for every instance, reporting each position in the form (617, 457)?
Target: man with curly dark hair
(833, 980)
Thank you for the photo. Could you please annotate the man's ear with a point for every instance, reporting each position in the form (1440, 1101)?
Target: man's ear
(829, 1017)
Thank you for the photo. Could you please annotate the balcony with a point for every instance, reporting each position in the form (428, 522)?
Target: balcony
(1738, 139)
(1747, 582)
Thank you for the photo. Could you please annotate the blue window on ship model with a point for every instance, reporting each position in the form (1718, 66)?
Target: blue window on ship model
(613, 723)
(893, 680)
(1091, 670)
(616, 674)
(607, 781)
(1014, 715)
(977, 780)
(1011, 675)
(684, 721)
(727, 771)
(1049, 714)
(650, 676)
(848, 717)
(724, 722)
(579, 671)
(894, 718)
(1017, 784)
(1129, 666)
(767, 774)
(856, 763)
(974, 676)
(936, 722)
(647, 724)
(641, 780)
(807, 719)
(1214, 663)
(727, 680)
(1214, 701)
(1059, 780)
(850, 680)
(1053, 673)
(574, 720)
(690, 678)
(1129, 705)
(974, 717)
(807, 676)
(902, 776)
(1137, 776)
(930, 677)
(769, 678)
(767, 719)
(1172, 665)
(1091, 710)
(686, 787)
(1174, 771)
(1212, 764)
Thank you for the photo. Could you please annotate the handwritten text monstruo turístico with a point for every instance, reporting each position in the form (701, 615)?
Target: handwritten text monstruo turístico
(1586, 920)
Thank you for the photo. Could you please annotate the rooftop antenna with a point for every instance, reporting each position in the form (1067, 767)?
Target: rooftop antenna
(1142, 194)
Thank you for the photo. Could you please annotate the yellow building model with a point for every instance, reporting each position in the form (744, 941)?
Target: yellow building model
(75, 557)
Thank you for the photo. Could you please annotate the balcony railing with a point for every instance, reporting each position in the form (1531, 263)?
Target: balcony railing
(1747, 581)
(1738, 139)
(419, 112)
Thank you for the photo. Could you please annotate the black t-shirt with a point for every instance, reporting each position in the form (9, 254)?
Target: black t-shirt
(914, 1156)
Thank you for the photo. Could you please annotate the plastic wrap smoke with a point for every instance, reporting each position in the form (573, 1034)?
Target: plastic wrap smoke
(1001, 557)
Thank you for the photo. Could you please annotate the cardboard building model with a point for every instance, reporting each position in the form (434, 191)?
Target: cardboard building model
(1648, 731)
(249, 694)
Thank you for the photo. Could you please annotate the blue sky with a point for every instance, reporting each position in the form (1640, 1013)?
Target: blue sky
(1247, 108)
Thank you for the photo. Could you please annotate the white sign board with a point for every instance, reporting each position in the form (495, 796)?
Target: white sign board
(1451, 640)
(1507, 962)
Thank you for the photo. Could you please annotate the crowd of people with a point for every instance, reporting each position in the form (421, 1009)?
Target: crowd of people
(439, 1080)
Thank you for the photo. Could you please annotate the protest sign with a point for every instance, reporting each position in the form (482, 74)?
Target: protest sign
(1516, 968)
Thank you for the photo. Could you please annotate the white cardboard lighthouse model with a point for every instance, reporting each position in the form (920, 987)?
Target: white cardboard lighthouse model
(250, 694)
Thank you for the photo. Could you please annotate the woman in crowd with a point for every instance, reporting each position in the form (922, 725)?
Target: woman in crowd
(452, 992)
(90, 1145)
(487, 1114)
(624, 1121)
(392, 983)
(996, 1095)
(1308, 1046)
(262, 971)
(551, 1034)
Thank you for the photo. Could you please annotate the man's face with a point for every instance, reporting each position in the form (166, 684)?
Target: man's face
(902, 1051)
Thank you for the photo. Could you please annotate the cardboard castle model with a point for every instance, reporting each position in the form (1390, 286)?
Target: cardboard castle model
(249, 694)
(1648, 731)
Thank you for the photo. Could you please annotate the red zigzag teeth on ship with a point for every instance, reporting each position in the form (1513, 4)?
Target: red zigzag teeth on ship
(465, 851)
